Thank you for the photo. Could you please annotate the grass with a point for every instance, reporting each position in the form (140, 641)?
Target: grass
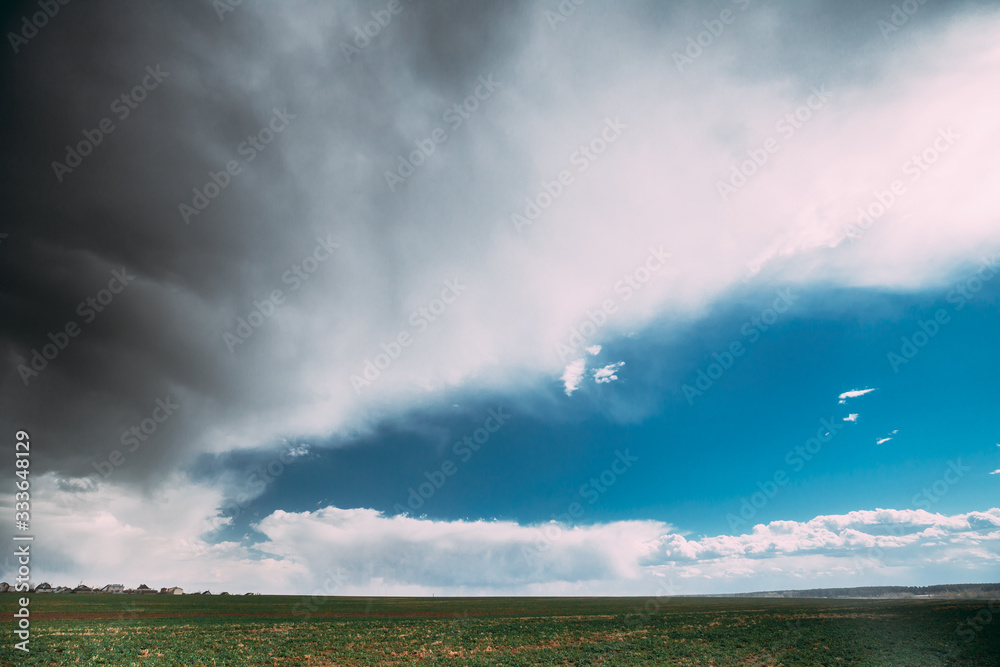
(161, 630)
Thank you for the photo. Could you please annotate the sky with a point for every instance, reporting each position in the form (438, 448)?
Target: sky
(503, 298)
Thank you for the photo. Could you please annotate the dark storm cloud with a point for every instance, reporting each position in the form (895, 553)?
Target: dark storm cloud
(218, 81)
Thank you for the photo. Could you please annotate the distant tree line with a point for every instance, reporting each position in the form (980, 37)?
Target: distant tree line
(940, 590)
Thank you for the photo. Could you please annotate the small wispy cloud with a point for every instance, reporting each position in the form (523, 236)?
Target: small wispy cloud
(572, 375)
(300, 450)
(888, 437)
(594, 350)
(996, 472)
(607, 374)
(853, 417)
(854, 393)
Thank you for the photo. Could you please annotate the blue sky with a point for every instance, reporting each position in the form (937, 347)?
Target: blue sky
(676, 297)
(699, 459)
(919, 435)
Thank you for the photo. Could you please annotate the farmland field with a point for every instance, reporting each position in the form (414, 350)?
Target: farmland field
(282, 630)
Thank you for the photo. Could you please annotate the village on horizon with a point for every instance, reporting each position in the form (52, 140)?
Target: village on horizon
(143, 589)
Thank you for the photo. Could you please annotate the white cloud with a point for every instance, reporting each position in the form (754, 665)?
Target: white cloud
(297, 451)
(103, 534)
(100, 535)
(608, 373)
(888, 437)
(880, 546)
(572, 375)
(996, 472)
(854, 393)
(853, 417)
(594, 350)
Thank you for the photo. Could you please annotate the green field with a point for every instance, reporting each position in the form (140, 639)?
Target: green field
(274, 630)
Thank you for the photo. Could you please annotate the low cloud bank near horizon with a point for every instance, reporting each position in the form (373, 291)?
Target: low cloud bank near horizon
(100, 535)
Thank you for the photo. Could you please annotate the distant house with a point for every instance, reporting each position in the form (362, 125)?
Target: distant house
(113, 588)
(173, 590)
(62, 589)
(43, 587)
(4, 587)
(83, 588)
(143, 588)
